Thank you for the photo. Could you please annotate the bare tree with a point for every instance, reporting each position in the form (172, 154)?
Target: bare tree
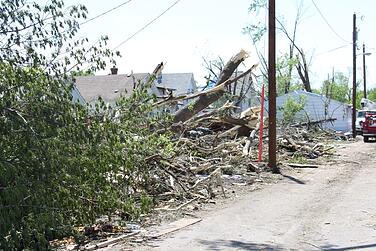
(301, 65)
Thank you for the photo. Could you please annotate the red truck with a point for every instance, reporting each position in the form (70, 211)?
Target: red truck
(369, 127)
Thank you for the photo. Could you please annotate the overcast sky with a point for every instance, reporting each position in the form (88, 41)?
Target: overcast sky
(194, 29)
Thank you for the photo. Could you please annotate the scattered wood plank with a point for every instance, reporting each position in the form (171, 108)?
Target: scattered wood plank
(302, 165)
(215, 172)
(174, 226)
(111, 241)
(177, 208)
(254, 168)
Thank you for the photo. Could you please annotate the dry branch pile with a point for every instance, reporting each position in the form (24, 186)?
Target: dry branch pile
(215, 148)
(209, 146)
(304, 142)
(215, 143)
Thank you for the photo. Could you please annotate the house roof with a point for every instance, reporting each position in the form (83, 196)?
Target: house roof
(181, 82)
(108, 87)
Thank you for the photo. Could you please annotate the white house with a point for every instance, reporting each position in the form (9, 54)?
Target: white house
(111, 87)
(318, 107)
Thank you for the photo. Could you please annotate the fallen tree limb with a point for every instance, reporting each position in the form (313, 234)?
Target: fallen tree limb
(197, 118)
(205, 100)
(316, 122)
(215, 89)
(303, 148)
(206, 178)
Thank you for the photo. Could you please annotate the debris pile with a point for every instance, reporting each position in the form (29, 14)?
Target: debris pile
(208, 146)
(306, 143)
(217, 147)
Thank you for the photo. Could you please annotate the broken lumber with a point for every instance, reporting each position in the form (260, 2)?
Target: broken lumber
(111, 241)
(302, 165)
(177, 208)
(174, 226)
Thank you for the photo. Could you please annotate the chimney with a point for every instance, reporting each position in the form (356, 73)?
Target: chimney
(114, 71)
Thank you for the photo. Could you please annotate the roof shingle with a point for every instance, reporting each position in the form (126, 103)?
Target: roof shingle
(108, 87)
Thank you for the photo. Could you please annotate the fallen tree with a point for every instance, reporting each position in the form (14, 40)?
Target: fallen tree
(205, 100)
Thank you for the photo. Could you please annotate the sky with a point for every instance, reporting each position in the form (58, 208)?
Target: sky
(195, 29)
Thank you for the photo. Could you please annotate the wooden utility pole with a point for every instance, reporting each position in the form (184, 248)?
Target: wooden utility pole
(364, 72)
(272, 90)
(355, 35)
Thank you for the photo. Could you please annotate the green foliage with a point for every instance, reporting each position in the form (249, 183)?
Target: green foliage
(257, 29)
(283, 74)
(337, 88)
(291, 108)
(371, 94)
(298, 158)
(63, 164)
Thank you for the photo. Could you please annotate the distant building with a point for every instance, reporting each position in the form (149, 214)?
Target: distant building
(111, 87)
(108, 87)
(318, 107)
(180, 83)
(244, 90)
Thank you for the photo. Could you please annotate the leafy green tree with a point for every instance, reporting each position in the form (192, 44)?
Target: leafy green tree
(63, 164)
(294, 59)
(284, 78)
(337, 88)
(371, 94)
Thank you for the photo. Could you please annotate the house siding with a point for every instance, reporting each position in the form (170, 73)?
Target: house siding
(315, 110)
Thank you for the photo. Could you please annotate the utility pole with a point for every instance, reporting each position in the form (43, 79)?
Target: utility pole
(364, 72)
(355, 35)
(272, 90)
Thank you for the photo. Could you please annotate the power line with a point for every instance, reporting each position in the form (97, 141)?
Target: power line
(326, 21)
(145, 26)
(106, 12)
(334, 49)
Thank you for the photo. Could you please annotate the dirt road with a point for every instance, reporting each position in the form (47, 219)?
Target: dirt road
(330, 208)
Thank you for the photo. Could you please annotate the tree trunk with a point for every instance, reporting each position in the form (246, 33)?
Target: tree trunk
(205, 100)
(302, 68)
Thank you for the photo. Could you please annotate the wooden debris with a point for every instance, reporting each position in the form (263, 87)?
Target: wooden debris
(177, 208)
(111, 241)
(174, 226)
(302, 165)
(205, 100)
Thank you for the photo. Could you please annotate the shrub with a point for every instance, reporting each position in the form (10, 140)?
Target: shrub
(63, 164)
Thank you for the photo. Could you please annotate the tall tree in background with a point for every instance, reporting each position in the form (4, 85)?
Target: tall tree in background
(337, 87)
(297, 61)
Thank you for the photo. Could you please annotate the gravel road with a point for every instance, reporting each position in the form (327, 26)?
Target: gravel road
(329, 208)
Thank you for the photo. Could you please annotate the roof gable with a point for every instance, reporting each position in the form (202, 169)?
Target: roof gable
(181, 82)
